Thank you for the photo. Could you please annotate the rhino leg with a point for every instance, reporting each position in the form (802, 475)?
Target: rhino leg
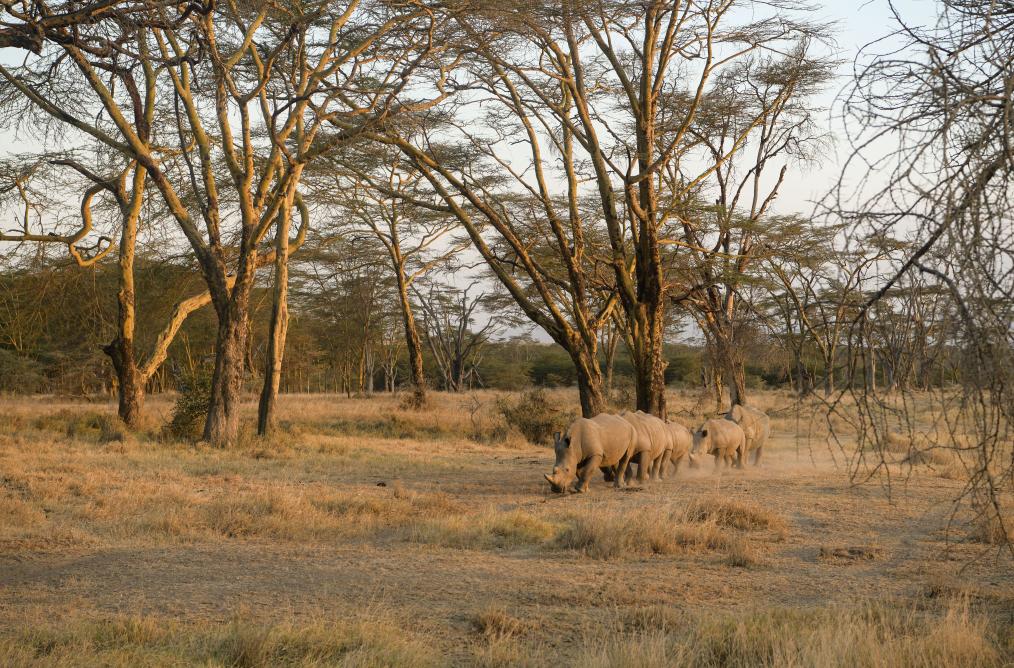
(757, 456)
(740, 457)
(643, 464)
(608, 473)
(718, 460)
(584, 477)
(660, 465)
(620, 480)
(676, 461)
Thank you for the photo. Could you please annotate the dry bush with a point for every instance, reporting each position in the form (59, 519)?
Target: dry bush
(496, 622)
(191, 408)
(734, 514)
(863, 635)
(847, 555)
(536, 415)
(511, 652)
(740, 554)
(988, 529)
(637, 533)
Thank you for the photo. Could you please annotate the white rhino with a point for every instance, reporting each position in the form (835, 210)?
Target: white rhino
(603, 441)
(756, 426)
(653, 444)
(682, 442)
(722, 438)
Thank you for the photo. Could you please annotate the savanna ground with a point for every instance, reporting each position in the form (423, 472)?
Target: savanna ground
(368, 535)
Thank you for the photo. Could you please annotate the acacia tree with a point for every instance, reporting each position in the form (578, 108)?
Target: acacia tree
(824, 286)
(601, 99)
(244, 119)
(24, 180)
(454, 329)
(759, 116)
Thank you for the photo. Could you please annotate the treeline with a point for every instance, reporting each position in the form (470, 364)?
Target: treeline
(56, 319)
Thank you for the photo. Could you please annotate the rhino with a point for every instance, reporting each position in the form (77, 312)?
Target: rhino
(722, 438)
(682, 443)
(756, 426)
(653, 444)
(603, 441)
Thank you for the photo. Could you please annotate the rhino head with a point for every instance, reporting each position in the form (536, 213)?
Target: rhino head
(565, 470)
(701, 439)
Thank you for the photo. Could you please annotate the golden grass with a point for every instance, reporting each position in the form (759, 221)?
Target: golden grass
(367, 477)
(864, 634)
(870, 634)
(151, 641)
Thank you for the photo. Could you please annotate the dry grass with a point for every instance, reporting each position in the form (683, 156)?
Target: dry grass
(134, 641)
(858, 636)
(434, 541)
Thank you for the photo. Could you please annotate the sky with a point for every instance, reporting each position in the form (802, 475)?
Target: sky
(857, 24)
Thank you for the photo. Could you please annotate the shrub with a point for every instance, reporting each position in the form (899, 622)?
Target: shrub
(191, 407)
(535, 415)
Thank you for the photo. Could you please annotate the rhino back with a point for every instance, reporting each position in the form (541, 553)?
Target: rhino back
(755, 424)
(725, 435)
(643, 443)
(658, 432)
(615, 437)
(682, 439)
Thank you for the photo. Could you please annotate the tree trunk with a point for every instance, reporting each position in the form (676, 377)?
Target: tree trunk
(413, 343)
(730, 361)
(611, 344)
(121, 351)
(222, 426)
(719, 389)
(649, 379)
(736, 380)
(278, 328)
(829, 379)
(129, 383)
(589, 378)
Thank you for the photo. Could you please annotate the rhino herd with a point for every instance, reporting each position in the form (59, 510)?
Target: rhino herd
(613, 444)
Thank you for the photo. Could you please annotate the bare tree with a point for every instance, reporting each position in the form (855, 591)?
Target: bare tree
(457, 324)
(939, 98)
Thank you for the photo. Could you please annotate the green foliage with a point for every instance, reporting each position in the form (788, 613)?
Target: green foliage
(535, 415)
(191, 407)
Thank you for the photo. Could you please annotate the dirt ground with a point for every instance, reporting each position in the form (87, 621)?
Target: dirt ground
(457, 542)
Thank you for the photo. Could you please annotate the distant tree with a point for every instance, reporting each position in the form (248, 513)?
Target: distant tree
(417, 238)
(457, 325)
